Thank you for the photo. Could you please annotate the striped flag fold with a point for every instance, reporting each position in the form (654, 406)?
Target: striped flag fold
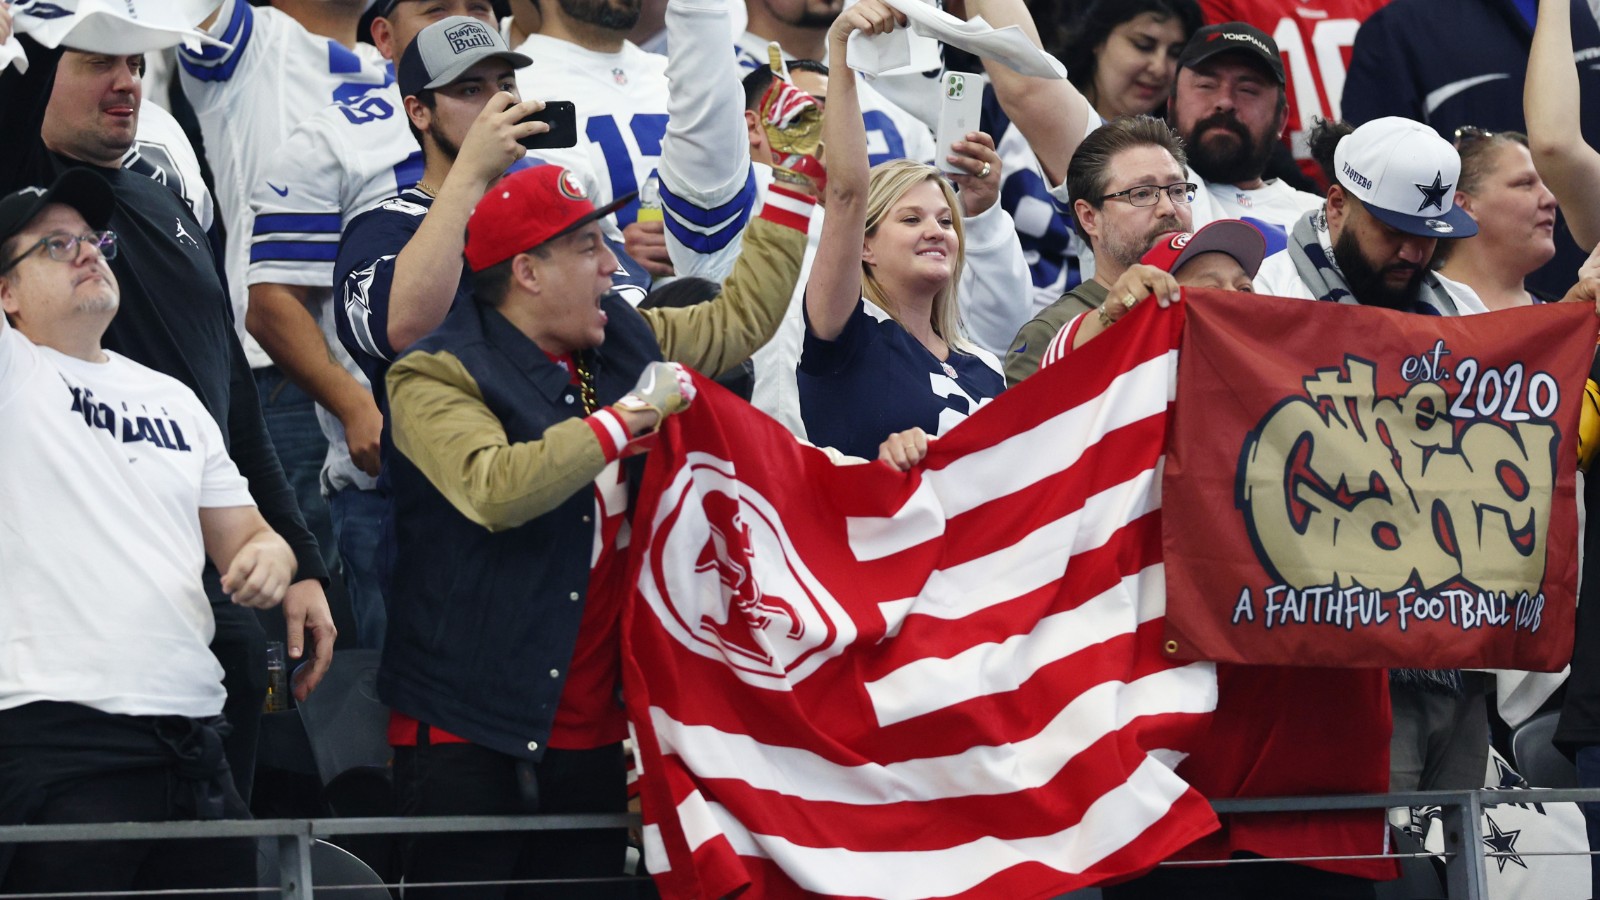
(847, 681)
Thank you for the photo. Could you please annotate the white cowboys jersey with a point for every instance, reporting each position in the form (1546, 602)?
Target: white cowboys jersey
(621, 101)
(708, 190)
(250, 97)
(344, 160)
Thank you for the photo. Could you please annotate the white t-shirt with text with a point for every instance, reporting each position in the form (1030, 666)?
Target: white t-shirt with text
(103, 472)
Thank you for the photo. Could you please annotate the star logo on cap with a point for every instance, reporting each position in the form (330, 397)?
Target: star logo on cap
(1433, 194)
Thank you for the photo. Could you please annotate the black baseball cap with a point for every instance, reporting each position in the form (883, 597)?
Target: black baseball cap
(78, 187)
(1233, 37)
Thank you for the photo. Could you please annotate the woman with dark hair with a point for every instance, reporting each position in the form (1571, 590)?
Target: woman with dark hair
(1123, 55)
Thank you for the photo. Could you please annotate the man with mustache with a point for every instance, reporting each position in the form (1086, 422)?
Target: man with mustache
(1130, 185)
(1229, 105)
(1390, 201)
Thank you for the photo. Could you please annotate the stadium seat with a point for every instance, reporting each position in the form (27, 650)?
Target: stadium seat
(1537, 759)
(331, 867)
(346, 723)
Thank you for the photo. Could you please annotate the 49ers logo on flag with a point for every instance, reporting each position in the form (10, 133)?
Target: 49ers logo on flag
(1401, 485)
(727, 583)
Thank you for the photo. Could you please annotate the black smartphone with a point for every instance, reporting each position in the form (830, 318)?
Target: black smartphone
(562, 117)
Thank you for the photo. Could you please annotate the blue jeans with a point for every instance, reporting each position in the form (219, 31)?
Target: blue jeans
(1589, 776)
(358, 518)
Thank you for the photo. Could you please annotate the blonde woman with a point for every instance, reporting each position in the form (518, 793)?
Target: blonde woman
(884, 347)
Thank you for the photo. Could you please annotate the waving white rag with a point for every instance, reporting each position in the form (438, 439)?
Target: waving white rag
(120, 27)
(880, 53)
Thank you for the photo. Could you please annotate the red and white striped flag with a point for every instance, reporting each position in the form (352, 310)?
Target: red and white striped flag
(848, 681)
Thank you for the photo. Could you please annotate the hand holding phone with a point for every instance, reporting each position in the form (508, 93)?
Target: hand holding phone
(562, 117)
(960, 109)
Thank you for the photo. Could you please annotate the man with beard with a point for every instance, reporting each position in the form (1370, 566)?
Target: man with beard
(582, 54)
(1230, 106)
(1391, 199)
(1130, 184)
(398, 269)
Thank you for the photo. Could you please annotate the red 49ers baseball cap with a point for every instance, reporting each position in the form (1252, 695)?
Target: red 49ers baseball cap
(528, 209)
(1238, 239)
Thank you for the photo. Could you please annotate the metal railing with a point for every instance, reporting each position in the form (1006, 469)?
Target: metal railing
(1464, 854)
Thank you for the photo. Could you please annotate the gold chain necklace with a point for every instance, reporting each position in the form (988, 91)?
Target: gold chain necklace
(585, 384)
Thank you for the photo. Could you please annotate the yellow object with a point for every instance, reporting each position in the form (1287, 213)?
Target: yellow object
(1589, 425)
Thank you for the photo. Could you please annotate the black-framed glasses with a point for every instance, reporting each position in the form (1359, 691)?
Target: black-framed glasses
(64, 247)
(1150, 194)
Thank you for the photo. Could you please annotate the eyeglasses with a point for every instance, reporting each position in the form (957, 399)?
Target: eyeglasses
(1150, 194)
(64, 247)
(1468, 133)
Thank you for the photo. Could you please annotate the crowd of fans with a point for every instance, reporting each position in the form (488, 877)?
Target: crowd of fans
(355, 281)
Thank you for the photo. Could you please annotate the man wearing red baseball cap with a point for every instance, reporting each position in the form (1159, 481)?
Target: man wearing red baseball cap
(502, 656)
(1224, 256)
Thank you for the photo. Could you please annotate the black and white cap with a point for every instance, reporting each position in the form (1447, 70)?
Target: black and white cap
(1406, 174)
(78, 187)
(445, 50)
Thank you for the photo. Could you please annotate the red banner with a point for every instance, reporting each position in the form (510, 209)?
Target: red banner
(849, 681)
(1349, 486)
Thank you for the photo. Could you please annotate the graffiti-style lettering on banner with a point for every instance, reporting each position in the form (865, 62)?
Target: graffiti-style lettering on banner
(1351, 486)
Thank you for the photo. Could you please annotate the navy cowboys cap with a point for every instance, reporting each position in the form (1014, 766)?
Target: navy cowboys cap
(1233, 37)
(78, 187)
(445, 50)
(1405, 174)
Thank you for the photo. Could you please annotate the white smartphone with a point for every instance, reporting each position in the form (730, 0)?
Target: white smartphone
(960, 107)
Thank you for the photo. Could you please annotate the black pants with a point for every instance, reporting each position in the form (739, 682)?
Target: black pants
(465, 779)
(1243, 881)
(240, 645)
(63, 764)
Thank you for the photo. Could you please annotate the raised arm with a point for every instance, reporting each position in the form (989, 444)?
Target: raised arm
(715, 336)
(834, 288)
(1555, 133)
(707, 190)
(1050, 112)
(428, 269)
